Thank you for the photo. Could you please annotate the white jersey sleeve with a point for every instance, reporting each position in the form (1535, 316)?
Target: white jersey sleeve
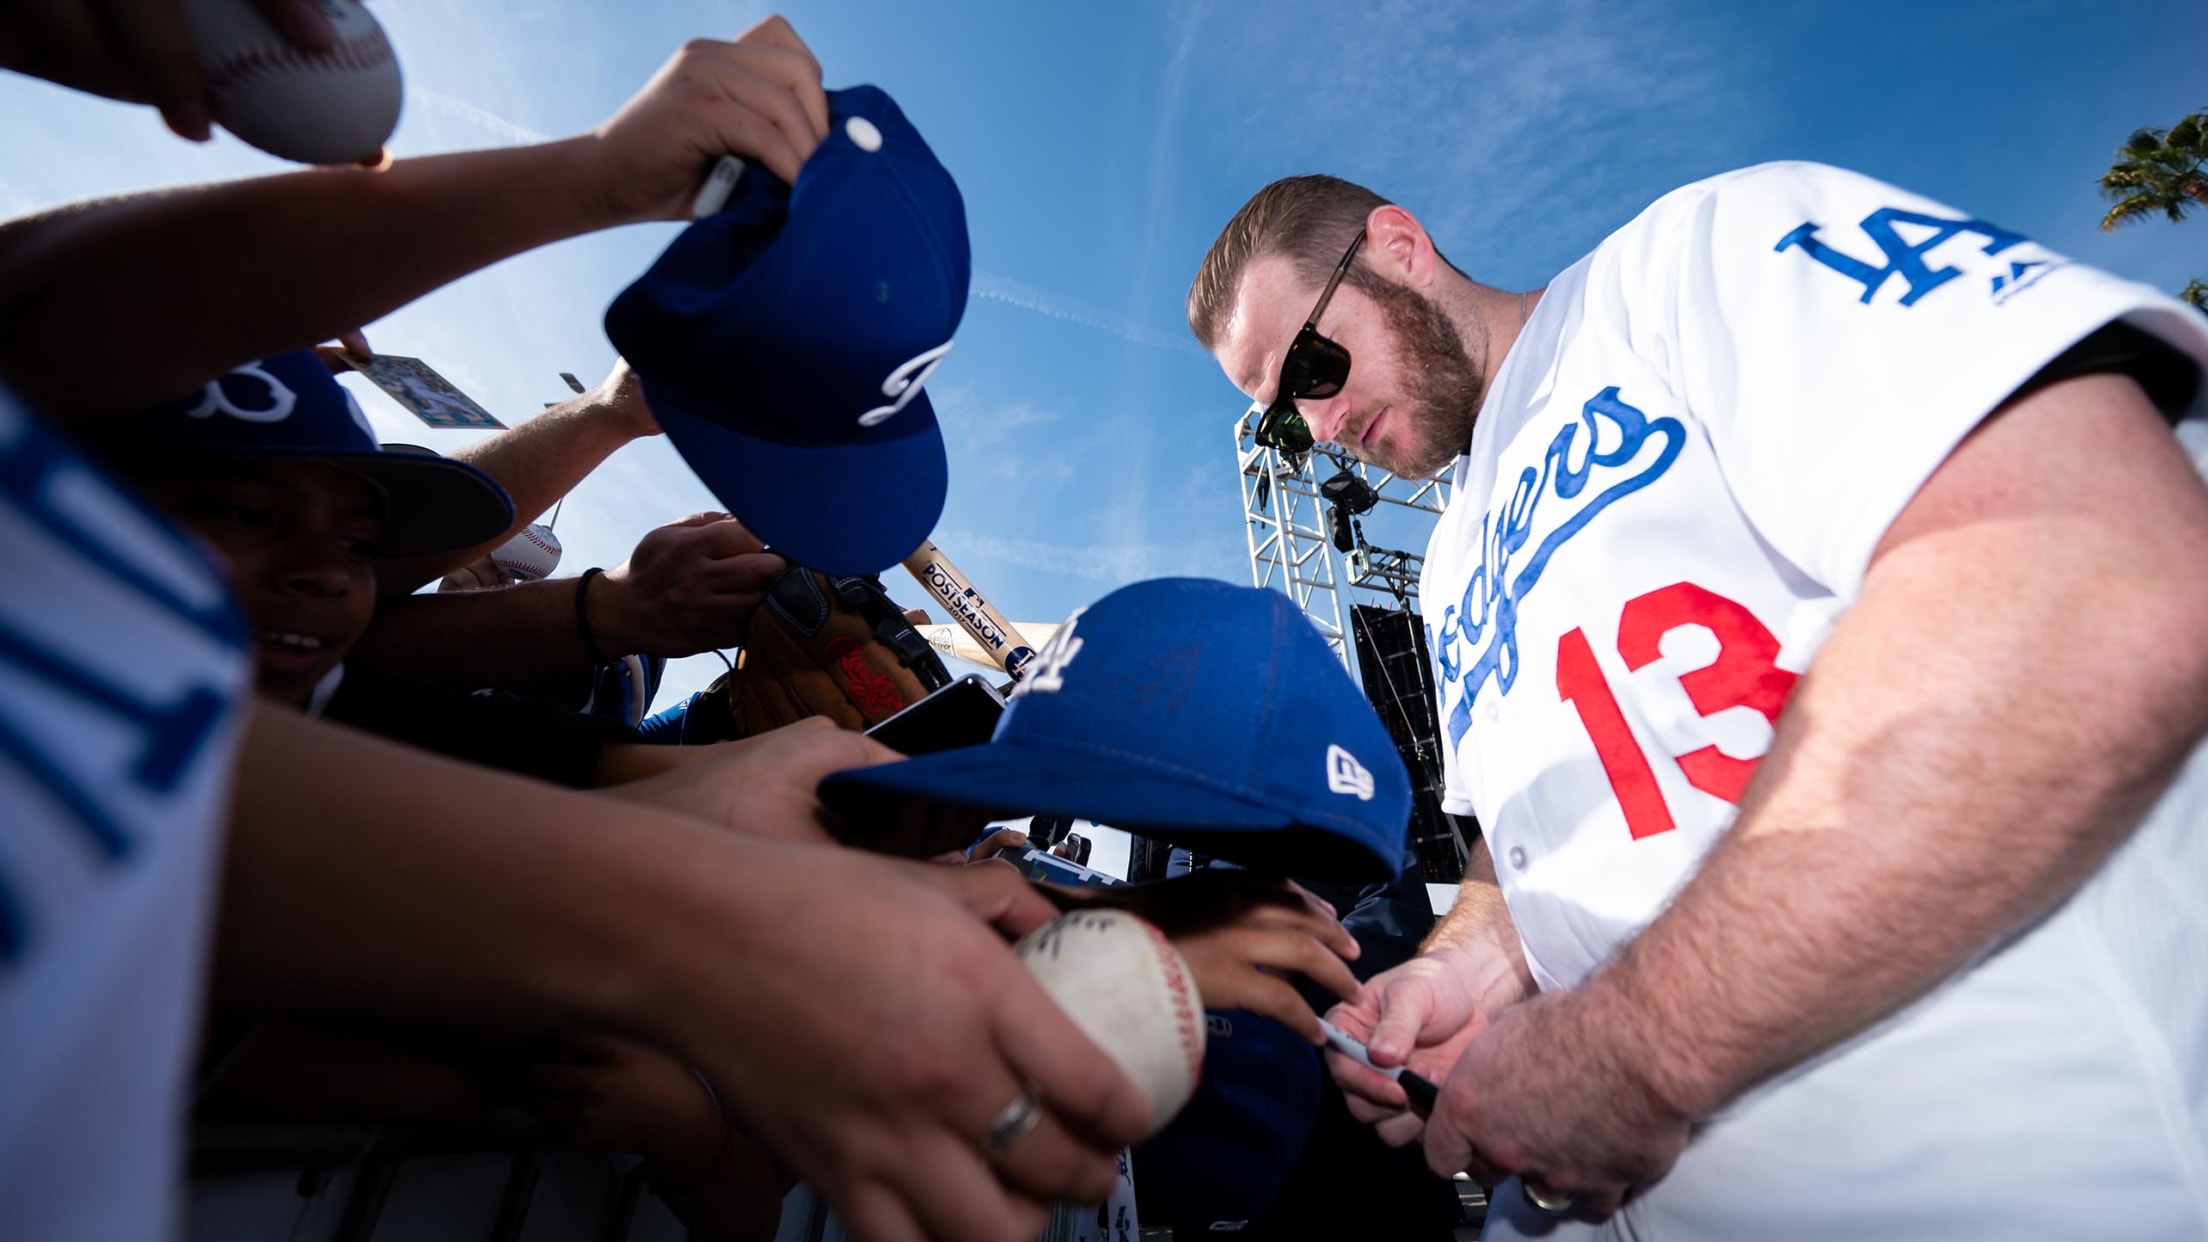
(124, 677)
(1839, 336)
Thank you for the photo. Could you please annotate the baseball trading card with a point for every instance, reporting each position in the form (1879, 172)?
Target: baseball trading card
(416, 385)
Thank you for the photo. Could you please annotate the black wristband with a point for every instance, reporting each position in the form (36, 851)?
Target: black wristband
(582, 617)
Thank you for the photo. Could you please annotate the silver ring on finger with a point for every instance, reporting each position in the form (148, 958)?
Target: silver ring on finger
(1554, 1202)
(1011, 1122)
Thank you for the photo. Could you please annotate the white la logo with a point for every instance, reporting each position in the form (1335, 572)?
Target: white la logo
(281, 400)
(904, 384)
(1051, 661)
(1344, 775)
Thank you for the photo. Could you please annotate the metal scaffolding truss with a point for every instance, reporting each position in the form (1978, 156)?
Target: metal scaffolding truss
(1285, 518)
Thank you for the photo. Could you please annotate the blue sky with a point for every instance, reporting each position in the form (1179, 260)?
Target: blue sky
(1101, 147)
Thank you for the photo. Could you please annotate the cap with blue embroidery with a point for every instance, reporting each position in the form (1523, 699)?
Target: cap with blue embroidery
(1191, 711)
(291, 407)
(783, 341)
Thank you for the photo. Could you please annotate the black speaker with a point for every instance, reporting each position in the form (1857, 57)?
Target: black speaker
(1398, 674)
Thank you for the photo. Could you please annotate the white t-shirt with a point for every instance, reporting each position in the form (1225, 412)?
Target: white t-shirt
(1673, 490)
(122, 676)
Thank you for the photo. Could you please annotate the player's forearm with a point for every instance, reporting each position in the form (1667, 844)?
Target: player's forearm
(362, 876)
(1479, 934)
(1988, 722)
(514, 636)
(196, 280)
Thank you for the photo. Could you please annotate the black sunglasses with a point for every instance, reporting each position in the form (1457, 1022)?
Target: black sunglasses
(1314, 367)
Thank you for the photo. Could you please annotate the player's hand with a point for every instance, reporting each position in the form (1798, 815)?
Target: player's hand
(611, 1094)
(1538, 1094)
(135, 50)
(759, 98)
(1238, 965)
(1423, 1014)
(690, 586)
(874, 1043)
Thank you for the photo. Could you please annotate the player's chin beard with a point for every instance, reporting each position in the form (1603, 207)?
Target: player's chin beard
(1442, 386)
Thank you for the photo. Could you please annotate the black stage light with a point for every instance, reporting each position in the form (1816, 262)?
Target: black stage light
(1347, 491)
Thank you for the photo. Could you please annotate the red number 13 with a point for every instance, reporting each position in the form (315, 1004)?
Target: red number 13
(1743, 675)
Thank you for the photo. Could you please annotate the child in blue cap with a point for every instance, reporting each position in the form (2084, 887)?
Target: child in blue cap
(275, 466)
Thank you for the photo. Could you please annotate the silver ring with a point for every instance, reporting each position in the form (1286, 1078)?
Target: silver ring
(1553, 1202)
(1012, 1121)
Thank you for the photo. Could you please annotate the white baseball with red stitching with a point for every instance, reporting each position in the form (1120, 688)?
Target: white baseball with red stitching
(333, 107)
(1129, 990)
(532, 554)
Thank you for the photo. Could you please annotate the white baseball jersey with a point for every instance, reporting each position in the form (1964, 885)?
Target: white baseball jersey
(122, 671)
(1673, 490)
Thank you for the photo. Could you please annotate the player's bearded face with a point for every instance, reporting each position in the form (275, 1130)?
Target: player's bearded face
(1439, 386)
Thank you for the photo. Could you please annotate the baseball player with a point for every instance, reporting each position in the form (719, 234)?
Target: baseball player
(1818, 619)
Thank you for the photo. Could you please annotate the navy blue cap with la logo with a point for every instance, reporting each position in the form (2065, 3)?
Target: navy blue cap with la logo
(783, 341)
(1191, 711)
(291, 407)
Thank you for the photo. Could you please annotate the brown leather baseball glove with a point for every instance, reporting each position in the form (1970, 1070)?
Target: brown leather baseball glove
(822, 646)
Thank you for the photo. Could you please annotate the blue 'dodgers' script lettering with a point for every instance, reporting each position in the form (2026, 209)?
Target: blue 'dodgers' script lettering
(1902, 259)
(1508, 571)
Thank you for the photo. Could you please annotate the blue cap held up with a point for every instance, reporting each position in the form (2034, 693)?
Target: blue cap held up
(783, 341)
(1191, 711)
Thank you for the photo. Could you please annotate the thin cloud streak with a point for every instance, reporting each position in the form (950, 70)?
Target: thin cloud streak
(1010, 292)
(461, 110)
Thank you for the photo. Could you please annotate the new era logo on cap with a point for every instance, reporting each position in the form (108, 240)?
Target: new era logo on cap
(1344, 775)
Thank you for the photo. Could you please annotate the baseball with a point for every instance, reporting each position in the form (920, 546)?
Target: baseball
(532, 554)
(333, 107)
(1125, 985)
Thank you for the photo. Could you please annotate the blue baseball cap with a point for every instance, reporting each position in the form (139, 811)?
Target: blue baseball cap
(1191, 711)
(1224, 1158)
(783, 342)
(291, 407)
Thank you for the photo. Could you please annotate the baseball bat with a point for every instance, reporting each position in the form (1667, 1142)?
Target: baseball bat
(999, 638)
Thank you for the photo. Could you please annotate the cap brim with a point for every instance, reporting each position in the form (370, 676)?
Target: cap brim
(845, 509)
(1008, 778)
(432, 504)
(437, 505)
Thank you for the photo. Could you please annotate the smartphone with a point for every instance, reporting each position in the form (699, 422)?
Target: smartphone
(963, 713)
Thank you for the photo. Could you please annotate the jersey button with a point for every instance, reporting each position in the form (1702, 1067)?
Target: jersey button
(1518, 857)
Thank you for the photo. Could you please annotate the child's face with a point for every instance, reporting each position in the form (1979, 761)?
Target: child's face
(298, 537)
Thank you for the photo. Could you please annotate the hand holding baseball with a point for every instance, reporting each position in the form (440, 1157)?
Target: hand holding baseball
(690, 586)
(875, 1063)
(759, 98)
(137, 52)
